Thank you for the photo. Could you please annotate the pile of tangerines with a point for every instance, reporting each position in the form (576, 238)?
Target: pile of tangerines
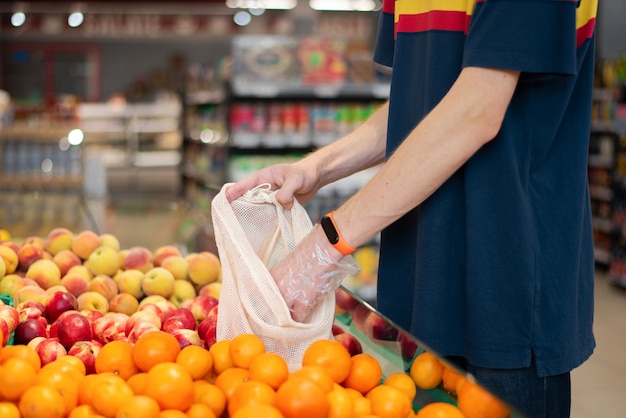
(234, 378)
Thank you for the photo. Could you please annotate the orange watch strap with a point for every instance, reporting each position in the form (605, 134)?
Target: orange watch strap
(334, 236)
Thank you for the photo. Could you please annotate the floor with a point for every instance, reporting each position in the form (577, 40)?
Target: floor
(598, 386)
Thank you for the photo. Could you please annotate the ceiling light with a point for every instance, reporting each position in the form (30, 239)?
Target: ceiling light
(262, 4)
(242, 18)
(18, 19)
(345, 5)
(75, 19)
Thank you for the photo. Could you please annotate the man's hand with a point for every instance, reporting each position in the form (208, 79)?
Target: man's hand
(313, 269)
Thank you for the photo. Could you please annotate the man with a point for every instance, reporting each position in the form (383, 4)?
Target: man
(486, 245)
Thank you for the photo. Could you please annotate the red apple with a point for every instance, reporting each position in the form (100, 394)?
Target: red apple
(352, 343)
(141, 317)
(166, 307)
(378, 328)
(73, 328)
(187, 337)
(359, 314)
(105, 329)
(207, 329)
(91, 314)
(140, 329)
(11, 316)
(32, 344)
(151, 307)
(30, 309)
(86, 351)
(49, 350)
(408, 345)
(183, 315)
(29, 329)
(336, 329)
(58, 303)
(4, 331)
(344, 301)
(201, 305)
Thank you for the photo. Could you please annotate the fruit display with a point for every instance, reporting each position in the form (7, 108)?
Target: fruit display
(102, 331)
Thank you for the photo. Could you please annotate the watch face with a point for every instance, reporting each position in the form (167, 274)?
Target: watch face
(329, 230)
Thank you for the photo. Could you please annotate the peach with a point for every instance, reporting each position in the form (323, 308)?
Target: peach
(183, 290)
(204, 267)
(75, 283)
(81, 270)
(177, 265)
(148, 302)
(124, 303)
(122, 255)
(45, 272)
(104, 285)
(56, 288)
(158, 281)
(138, 258)
(9, 256)
(212, 289)
(59, 239)
(36, 241)
(65, 260)
(7, 282)
(163, 252)
(109, 240)
(103, 260)
(3, 268)
(84, 242)
(93, 301)
(27, 255)
(20, 283)
(32, 292)
(129, 281)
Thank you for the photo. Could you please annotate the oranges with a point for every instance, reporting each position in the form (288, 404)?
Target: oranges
(475, 402)
(426, 371)
(196, 360)
(40, 401)
(153, 348)
(291, 402)
(171, 385)
(117, 357)
(365, 373)
(439, 410)
(331, 355)
(269, 368)
(244, 348)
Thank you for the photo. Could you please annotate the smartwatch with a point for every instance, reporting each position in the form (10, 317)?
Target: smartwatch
(333, 235)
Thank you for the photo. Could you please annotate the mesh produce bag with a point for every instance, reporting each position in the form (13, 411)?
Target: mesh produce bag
(252, 234)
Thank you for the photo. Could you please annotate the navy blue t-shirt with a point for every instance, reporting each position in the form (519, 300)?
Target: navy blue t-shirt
(497, 265)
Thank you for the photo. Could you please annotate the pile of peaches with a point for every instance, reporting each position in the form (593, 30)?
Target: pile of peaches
(74, 292)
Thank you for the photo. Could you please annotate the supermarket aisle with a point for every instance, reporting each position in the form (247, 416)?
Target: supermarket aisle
(599, 385)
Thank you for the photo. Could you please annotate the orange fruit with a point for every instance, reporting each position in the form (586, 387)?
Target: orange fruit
(171, 385)
(153, 348)
(16, 375)
(23, 352)
(139, 406)
(269, 368)
(362, 406)
(40, 401)
(9, 409)
(117, 357)
(84, 411)
(200, 410)
(64, 383)
(439, 410)
(85, 389)
(252, 391)
(197, 360)
(300, 397)
(137, 382)
(220, 352)
(331, 355)
(389, 402)
(229, 379)
(402, 381)
(475, 402)
(258, 411)
(172, 413)
(317, 374)
(365, 373)
(341, 404)
(109, 394)
(426, 371)
(64, 367)
(451, 379)
(73, 361)
(208, 394)
(244, 348)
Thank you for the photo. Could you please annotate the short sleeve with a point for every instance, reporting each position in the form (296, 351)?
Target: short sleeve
(537, 36)
(384, 48)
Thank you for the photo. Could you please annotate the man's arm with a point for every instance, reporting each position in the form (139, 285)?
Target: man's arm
(468, 117)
